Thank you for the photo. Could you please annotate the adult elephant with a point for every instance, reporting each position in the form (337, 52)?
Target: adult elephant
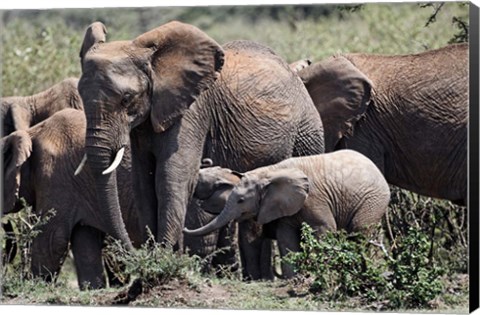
(22, 112)
(407, 113)
(257, 112)
(39, 165)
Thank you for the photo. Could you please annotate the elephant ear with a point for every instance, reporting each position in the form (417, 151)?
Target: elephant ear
(341, 94)
(17, 148)
(185, 61)
(18, 117)
(283, 195)
(96, 33)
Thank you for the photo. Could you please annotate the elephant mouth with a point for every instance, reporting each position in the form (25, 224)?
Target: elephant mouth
(206, 209)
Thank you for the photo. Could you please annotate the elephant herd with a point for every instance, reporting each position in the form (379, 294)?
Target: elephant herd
(227, 146)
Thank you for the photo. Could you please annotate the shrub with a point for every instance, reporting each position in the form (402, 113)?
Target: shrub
(445, 223)
(153, 263)
(17, 277)
(343, 266)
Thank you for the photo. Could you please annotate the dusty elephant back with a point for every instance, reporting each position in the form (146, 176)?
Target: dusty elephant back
(419, 76)
(344, 183)
(419, 115)
(260, 107)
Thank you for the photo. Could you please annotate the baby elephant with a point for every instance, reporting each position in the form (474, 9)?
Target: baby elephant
(339, 190)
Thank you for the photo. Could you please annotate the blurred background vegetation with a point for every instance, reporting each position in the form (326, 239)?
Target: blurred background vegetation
(40, 47)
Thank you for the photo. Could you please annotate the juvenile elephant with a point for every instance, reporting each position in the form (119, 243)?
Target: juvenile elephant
(339, 190)
(219, 246)
(180, 96)
(22, 112)
(407, 113)
(39, 165)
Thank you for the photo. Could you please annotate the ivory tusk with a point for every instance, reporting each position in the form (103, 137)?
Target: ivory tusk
(116, 162)
(81, 165)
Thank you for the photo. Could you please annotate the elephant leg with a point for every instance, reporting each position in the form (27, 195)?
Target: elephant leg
(49, 250)
(288, 240)
(255, 252)
(143, 175)
(10, 243)
(179, 151)
(370, 213)
(227, 242)
(202, 246)
(87, 243)
(266, 264)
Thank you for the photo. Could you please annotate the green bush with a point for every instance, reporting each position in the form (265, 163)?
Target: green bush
(40, 48)
(343, 266)
(153, 263)
(446, 225)
(17, 277)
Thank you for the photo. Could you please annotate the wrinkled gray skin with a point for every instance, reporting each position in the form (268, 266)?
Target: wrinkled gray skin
(209, 199)
(218, 247)
(255, 112)
(339, 190)
(39, 165)
(407, 113)
(22, 112)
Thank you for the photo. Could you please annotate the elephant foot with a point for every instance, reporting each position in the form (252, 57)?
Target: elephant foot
(131, 294)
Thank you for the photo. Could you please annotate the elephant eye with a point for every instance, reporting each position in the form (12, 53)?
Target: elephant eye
(127, 99)
(242, 199)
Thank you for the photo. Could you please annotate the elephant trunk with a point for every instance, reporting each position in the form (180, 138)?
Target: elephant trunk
(228, 214)
(99, 159)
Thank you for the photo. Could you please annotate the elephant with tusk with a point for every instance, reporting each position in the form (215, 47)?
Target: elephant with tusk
(39, 167)
(176, 95)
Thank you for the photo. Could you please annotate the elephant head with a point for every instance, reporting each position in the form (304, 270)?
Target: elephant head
(22, 112)
(17, 148)
(264, 196)
(214, 185)
(156, 76)
(341, 93)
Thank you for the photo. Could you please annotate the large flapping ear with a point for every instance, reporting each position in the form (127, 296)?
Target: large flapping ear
(21, 117)
(96, 33)
(17, 148)
(283, 195)
(185, 61)
(341, 94)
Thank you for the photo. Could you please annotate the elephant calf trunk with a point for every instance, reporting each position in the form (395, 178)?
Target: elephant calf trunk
(218, 222)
